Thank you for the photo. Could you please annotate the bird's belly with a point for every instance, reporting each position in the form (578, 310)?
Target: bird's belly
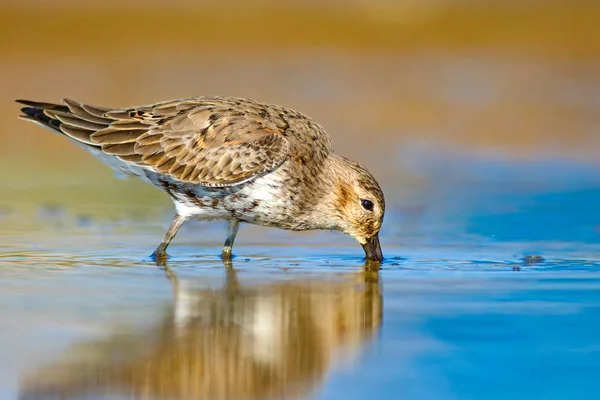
(259, 202)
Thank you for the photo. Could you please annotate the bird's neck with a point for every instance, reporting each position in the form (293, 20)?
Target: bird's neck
(324, 202)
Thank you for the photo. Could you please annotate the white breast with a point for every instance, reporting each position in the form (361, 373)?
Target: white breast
(257, 201)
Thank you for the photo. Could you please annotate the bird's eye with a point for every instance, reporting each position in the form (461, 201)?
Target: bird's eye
(367, 205)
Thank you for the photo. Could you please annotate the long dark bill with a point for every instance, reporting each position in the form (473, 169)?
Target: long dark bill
(373, 248)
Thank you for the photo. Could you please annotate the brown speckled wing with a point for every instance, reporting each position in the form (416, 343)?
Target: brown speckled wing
(213, 143)
(210, 141)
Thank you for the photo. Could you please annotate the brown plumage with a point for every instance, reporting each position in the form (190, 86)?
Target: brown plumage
(229, 158)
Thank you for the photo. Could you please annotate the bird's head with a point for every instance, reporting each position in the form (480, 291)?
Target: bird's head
(359, 206)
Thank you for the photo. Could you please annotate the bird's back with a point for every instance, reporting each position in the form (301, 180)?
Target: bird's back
(211, 141)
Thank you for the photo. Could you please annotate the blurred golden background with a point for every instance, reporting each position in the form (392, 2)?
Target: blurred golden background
(517, 78)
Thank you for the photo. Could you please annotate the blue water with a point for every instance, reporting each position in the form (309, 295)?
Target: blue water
(476, 337)
(490, 290)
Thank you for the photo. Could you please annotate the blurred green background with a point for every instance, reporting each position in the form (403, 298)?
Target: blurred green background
(516, 79)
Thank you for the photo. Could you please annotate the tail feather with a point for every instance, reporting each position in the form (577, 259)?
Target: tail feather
(44, 106)
(71, 119)
(88, 113)
(89, 126)
(37, 115)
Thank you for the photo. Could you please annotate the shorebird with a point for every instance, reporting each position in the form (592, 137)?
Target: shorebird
(229, 158)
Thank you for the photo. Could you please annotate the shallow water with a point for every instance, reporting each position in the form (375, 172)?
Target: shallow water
(490, 289)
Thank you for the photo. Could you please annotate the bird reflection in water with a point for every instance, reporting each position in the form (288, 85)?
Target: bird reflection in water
(273, 340)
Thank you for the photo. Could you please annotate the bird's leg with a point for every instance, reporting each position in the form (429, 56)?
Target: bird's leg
(232, 230)
(161, 251)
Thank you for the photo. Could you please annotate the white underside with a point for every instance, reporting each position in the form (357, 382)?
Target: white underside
(244, 197)
(123, 169)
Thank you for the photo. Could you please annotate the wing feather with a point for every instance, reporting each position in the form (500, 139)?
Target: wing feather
(208, 143)
(211, 141)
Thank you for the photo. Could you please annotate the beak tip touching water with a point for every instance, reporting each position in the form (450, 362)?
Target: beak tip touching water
(372, 249)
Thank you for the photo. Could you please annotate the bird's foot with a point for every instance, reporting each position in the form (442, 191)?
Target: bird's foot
(160, 257)
(227, 255)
